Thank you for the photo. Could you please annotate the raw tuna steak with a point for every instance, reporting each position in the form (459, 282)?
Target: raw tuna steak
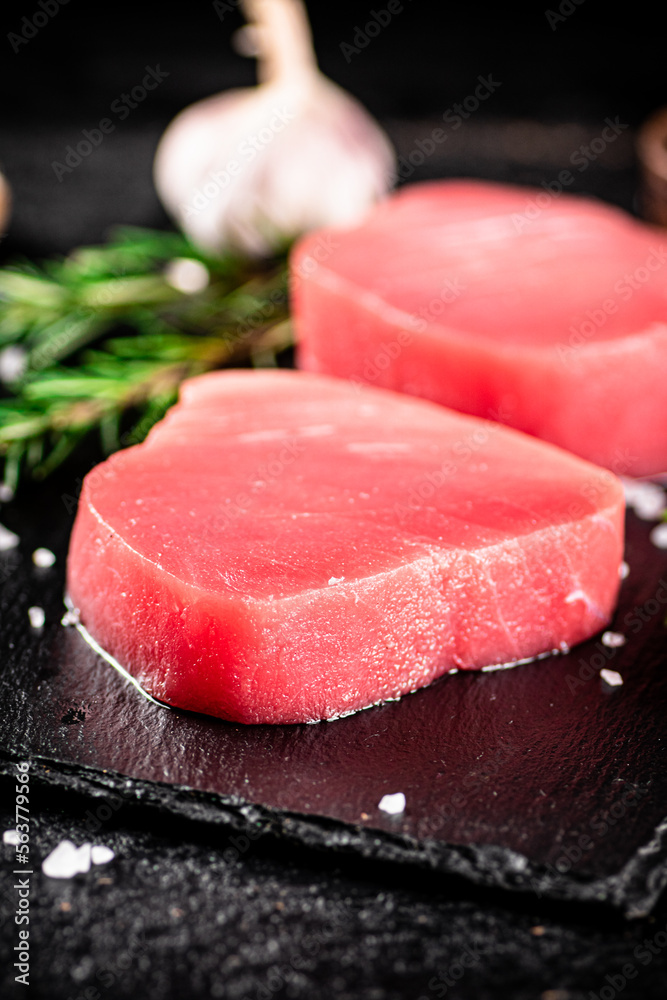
(288, 547)
(548, 313)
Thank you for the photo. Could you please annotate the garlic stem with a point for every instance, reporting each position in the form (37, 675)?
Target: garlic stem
(254, 168)
(284, 40)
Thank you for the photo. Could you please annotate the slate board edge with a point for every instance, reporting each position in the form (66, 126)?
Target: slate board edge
(634, 890)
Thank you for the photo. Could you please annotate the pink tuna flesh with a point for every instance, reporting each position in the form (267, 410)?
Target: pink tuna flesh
(547, 313)
(288, 547)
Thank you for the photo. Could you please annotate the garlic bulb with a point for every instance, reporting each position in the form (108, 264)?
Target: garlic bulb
(251, 169)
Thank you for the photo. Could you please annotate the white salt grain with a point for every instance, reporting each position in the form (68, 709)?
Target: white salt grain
(335, 579)
(613, 639)
(624, 570)
(187, 275)
(648, 500)
(393, 804)
(67, 860)
(71, 617)
(12, 363)
(11, 837)
(611, 677)
(37, 617)
(8, 540)
(6, 493)
(659, 536)
(44, 558)
(100, 855)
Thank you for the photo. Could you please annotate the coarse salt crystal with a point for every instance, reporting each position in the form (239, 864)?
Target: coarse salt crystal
(659, 536)
(187, 275)
(37, 617)
(624, 570)
(392, 804)
(6, 493)
(611, 677)
(8, 540)
(11, 837)
(613, 639)
(44, 558)
(101, 855)
(12, 363)
(67, 860)
(648, 500)
(335, 579)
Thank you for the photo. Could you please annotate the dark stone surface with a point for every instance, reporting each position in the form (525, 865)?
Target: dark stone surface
(181, 913)
(538, 779)
(187, 911)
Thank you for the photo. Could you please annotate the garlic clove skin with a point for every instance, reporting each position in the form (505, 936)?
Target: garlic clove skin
(251, 169)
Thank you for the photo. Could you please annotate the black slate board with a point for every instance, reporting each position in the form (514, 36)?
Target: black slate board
(540, 779)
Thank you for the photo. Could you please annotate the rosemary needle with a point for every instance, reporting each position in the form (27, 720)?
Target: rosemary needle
(103, 338)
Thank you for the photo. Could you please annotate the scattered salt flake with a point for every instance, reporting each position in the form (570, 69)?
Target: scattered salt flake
(71, 617)
(11, 837)
(12, 363)
(6, 493)
(648, 500)
(613, 639)
(624, 570)
(335, 579)
(186, 275)
(8, 540)
(44, 558)
(659, 536)
(67, 860)
(611, 677)
(101, 855)
(37, 617)
(392, 804)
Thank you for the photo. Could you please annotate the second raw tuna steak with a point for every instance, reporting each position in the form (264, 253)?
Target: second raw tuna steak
(547, 313)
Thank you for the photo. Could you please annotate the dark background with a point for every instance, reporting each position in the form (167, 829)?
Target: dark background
(560, 80)
(207, 928)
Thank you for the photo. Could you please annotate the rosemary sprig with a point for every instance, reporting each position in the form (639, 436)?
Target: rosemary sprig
(109, 333)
